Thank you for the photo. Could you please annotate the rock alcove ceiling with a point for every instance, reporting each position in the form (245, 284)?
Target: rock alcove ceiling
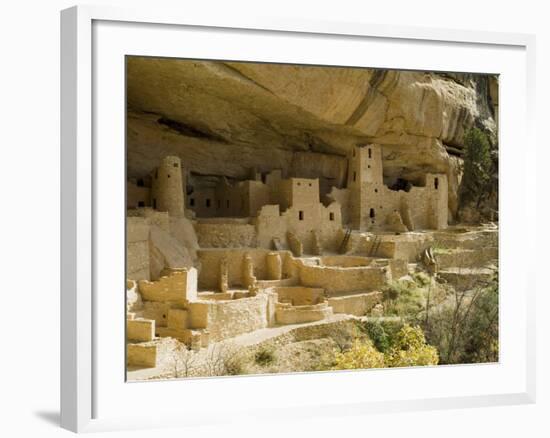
(225, 118)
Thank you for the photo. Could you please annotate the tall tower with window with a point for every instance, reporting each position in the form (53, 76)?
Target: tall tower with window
(167, 190)
(365, 182)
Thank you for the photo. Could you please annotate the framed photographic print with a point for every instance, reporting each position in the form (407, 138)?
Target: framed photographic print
(265, 218)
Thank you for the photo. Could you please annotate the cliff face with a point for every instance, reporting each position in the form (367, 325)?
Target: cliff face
(224, 118)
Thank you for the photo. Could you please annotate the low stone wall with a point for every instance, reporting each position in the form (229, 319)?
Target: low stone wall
(467, 258)
(225, 235)
(285, 282)
(227, 319)
(288, 314)
(466, 278)
(358, 305)
(467, 238)
(300, 296)
(346, 261)
(336, 279)
(407, 246)
(180, 286)
(140, 330)
(141, 355)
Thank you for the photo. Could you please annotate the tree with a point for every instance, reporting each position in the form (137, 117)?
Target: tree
(478, 167)
(465, 329)
(410, 349)
(182, 361)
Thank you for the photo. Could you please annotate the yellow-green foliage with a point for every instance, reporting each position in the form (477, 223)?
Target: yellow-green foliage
(362, 354)
(410, 349)
(404, 298)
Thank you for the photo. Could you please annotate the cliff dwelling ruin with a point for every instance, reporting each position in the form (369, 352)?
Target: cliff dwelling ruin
(259, 208)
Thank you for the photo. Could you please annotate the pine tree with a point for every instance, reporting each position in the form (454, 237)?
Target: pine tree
(477, 166)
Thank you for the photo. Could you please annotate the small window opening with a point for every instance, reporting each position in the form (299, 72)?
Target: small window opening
(156, 173)
(371, 213)
(331, 216)
(227, 203)
(368, 166)
(176, 165)
(354, 176)
(140, 182)
(310, 184)
(219, 204)
(192, 202)
(301, 215)
(370, 153)
(436, 183)
(141, 204)
(154, 203)
(353, 152)
(299, 184)
(168, 175)
(208, 202)
(375, 190)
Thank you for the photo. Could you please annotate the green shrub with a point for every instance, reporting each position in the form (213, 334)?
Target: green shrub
(410, 349)
(361, 355)
(404, 298)
(382, 333)
(422, 279)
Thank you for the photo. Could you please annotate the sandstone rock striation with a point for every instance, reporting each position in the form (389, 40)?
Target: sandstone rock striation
(224, 118)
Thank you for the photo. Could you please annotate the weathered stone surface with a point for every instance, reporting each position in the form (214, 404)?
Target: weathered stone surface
(301, 118)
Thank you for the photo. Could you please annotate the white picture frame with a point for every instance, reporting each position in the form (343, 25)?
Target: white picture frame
(86, 404)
